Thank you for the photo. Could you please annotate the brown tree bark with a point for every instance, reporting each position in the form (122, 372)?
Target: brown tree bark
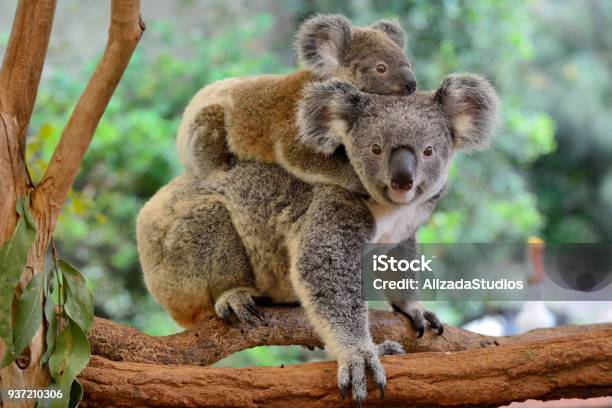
(578, 366)
(19, 80)
(213, 339)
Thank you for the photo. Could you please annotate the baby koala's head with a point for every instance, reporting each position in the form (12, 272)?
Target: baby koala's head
(400, 147)
(371, 58)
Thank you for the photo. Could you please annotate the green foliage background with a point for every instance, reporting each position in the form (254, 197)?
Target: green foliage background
(549, 172)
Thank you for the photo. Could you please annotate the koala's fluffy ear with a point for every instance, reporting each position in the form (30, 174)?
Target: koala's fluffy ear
(326, 113)
(471, 106)
(321, 42)
(393, 29)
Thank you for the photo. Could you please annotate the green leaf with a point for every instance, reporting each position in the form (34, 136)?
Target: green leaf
(70, 356)
(13, 258)
(79, 302)
(76, 394)
(51, 318)
(62, 402)
(70, 397)
(29, 314)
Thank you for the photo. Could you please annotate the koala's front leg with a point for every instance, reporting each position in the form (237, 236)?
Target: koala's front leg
(325, 272)
(314, 167)
(411, 307)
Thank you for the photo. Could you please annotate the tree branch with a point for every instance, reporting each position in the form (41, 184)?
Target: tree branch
(19, 79)
(125, 31)
(214, 339)
(578, 366)
(24, 59)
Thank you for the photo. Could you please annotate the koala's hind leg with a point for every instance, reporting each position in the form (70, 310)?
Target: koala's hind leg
(210, 263)
(207, 142)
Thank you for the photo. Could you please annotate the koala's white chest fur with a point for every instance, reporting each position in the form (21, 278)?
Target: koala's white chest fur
(396, 223)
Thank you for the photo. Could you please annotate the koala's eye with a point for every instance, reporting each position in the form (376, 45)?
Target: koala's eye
(428, 151)
(381, 68)
(376, 149)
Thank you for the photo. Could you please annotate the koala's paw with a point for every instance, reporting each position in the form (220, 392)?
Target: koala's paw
(352, 365)
(239, 302)
(420, 317)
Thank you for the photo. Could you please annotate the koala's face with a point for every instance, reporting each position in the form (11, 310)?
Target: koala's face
(376, 64)
(371, 58)
(400, 147)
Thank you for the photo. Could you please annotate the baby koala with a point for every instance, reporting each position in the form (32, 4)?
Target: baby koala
(254, 118)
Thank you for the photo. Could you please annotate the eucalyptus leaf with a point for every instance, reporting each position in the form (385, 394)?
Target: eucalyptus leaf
(79, 302)
(55, 402)
(70, 356)
(51, 318)
(76, 394)
(70, 396)
(13, 258)
(29, 313)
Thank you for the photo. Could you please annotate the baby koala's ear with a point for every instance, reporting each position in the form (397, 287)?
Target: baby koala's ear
(471, 105)
(326, 113)
(321, 42)
(393, 29)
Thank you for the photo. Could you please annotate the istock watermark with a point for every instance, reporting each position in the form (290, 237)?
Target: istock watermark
(383, 263)
(512, 272)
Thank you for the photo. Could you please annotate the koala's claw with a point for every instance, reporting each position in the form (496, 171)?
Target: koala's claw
(434, 322)
(381, 389)
(239, 303)
(421, 318)
(251, 307)
(352, 369)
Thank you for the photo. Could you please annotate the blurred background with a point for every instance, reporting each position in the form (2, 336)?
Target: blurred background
(548, 175)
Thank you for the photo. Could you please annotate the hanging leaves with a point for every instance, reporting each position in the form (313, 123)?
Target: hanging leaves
(79, 303)
(70, 356)
(68, 305)
(28, 317)
(13, 258)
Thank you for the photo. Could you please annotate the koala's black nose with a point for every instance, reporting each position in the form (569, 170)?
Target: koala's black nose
(401, 168)
(409, 80)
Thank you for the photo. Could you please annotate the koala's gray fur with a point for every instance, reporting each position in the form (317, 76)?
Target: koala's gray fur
(254, 230)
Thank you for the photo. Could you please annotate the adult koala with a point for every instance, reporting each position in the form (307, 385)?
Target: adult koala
(211, 246)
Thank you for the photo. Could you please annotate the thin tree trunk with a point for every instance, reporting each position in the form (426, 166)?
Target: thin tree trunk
(19, 79)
